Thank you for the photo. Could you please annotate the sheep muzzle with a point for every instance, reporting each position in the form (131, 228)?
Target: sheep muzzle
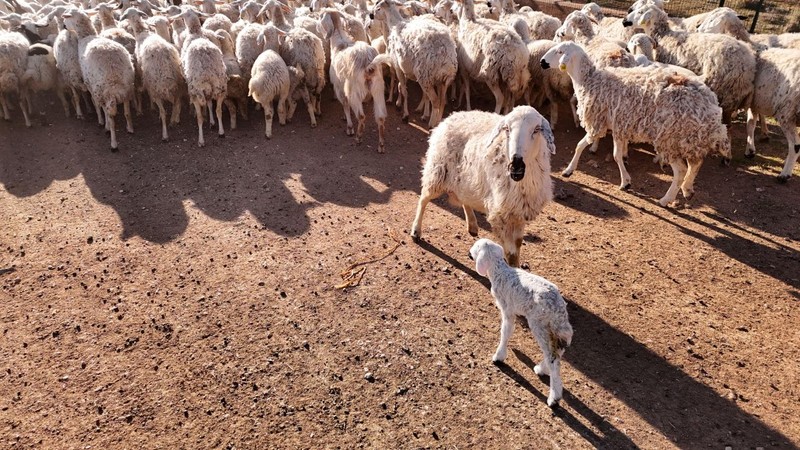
(516, 169)
(627, 23)
(544, 64)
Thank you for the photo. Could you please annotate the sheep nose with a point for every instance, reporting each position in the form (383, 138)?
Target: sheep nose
(516, 169)
(371, 16)
(544, 64)
(627, 23)
(470, 257)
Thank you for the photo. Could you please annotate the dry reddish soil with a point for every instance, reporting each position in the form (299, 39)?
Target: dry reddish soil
(167, 296)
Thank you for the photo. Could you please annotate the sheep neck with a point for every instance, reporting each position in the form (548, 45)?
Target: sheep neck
(84, 28)
(584, 70)
(339, 39)
(278, 19)
(393, 17)
(660, 26)
(467, 12)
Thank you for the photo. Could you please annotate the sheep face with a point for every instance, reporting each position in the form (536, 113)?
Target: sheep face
(573, 23)
(528, 139)
(485, 252)
(561, 56)
(593, 11)
(75, 20)
(642, 17)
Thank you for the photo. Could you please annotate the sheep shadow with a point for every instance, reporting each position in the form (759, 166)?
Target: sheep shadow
(686, 411)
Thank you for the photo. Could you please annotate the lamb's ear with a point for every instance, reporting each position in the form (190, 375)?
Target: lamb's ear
(500, 127)
(547, 135)
(482, 262)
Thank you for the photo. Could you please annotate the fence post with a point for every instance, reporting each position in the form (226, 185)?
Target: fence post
(755, 17)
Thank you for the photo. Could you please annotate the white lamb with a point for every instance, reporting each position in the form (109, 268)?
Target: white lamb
(42, 75)
(678, 115)
(423, 51)
(304, 49)
(497, 165)
(777, 94)
(355, 75)
(520, 293)
(107, 69)
(272, 79)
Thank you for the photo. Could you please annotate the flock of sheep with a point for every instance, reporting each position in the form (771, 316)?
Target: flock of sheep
(647, 78)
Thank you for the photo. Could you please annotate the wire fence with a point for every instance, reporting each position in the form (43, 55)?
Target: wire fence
(760, 16)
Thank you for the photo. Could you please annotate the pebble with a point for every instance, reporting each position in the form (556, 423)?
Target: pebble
(369, 377)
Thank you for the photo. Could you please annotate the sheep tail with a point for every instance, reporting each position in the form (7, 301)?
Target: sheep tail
(375, 65)
(560, 337)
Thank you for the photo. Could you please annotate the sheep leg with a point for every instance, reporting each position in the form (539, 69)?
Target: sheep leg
(176, 112)
(585, 142)
(573, 104)
(790, 131)
(242, 102)
(4, 104)
(198, 112)
(232, 111)
(750, 152)
(162, 114)
(126, 109)
(211, 113)
(220, 101)
(404, 94)
(99, 113)
(137, 103)
(64, 103)
(551, 363)
(311, 113)
(620, 148)
(87, 100)
(76, 100)
(282, 110)
(392, 85)
(111, 111)
(421, 105)
(553, 114)
(678, 174)
(28, 102)
(22, 100)
(346, 107)
(499, 99)
(465, 86)
(425, 197)
(688, 182)
(762, 119)
(268, 112)
(506, 330)
(431, 100)
(472, 221)
(292, 107)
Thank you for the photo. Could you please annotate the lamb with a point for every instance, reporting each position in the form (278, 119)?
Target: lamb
(493, 54)
(609, 27)
(273, 79)
(107, 69)
(237, 84)
(13, 63)
(423, 51)
(724, 21)
(355, 75)
(480, 160)
(65, 50)
(604, 52)
(726, 65)
(520, 293)
(678, 115)
(42, 74)
(204, 69)
(304, 49)
(642, 47)
(252, 41)
(160, 65)
(777, 94)
(689, 24)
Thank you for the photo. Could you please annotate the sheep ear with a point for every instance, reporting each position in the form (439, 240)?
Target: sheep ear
(547, 134)
(482, 262)
(501, 125)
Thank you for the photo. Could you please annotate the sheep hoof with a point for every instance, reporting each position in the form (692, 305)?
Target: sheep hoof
(782, 179)
(553, 402)
(415, 237)
(405, 119)
(222, 135)
(201, 144)
(473, 233)
(688, 195)
(625, 187)
(750, 154)
(566, 173)
(79, 117)
(164, 140)
(114, 149)
(726, 162)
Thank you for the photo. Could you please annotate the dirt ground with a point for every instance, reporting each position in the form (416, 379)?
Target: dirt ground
(167, 296)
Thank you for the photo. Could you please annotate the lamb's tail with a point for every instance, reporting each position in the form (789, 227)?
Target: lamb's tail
(560, 336)
(375, 65)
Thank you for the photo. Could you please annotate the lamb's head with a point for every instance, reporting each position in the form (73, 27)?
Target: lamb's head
(528, 139)
(642, 44)
(486, 254)
(77, 20)
(444, 11)
(576, 23)
(593, 11)
(644, 17)
(384, 8)
(133, 15)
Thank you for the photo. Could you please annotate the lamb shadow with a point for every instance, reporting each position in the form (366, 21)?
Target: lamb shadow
(689, 413)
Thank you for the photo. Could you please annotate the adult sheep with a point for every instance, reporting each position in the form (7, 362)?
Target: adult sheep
(498, 165)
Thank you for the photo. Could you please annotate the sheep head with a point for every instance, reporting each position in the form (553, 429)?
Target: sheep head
(575, 23)
(644, 18)
(528, 139)
(486, 254)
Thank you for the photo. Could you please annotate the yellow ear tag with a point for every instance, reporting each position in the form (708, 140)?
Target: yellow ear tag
(643, 23)
(562, 67)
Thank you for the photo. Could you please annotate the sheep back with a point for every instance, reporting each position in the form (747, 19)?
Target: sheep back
(777, 85)
(107, 69)
(204, 70)
(270, 78)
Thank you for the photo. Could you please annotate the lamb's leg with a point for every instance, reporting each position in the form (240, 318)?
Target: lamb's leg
(242, 103)
(750, 152)
(198, 112)
(28, 102)
(424, 198)
(403, 90)
(268, 112)
(506, 330)
(688, 182)
(291, 109)
(76, 100)
(311, 113)
(472, 221)
(4, 104)
(429, 98)
(790, 131)
(465, 86)
(110, 111)
(499, 100)
(163, 115)
(620, 147)
(678, 174)
(585, 142)
(232, 111)
(99, 112)
(551, 362)
(126, 109)
(220, 101)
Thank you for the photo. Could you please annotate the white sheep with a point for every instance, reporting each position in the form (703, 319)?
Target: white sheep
(604, 52)
(65, 50)
(355, 74)
(608, 27)
(493, 54)
(160, 65)
(423, 51)
(540, 25)
(726, 65)
(236, 93)
(642, 47)
(13, 63)
(204, 70)
(678, 115)
(304, 49)
(785, 40)
(42, 74)
(272, 79)
(777, 94)
(520, 293)
(252, 41)
(724, 21)
(497, 165)
(107, 70)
